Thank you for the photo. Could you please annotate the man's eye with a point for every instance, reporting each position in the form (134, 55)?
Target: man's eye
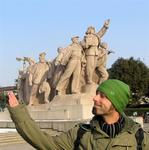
(102, 95)
(97, 93)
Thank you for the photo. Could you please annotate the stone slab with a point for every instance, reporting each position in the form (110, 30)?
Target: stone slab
(64, 107)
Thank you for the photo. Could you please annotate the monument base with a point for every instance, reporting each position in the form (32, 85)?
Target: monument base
(64, 107)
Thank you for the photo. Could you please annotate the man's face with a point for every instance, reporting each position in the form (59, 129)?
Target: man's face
(102, 105)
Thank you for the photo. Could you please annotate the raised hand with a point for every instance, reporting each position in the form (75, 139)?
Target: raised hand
(13, 102)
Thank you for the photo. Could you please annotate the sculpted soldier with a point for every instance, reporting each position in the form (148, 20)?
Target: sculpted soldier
(73, 68)
(92, 40)
(45, 89)
(101, 62)
(27, 87)
(60, 63)
(23, 79)
(38, 74)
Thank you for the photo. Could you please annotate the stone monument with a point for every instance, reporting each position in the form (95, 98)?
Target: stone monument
(64, 88)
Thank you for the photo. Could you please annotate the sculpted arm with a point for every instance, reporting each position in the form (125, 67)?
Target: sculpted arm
(103, 30)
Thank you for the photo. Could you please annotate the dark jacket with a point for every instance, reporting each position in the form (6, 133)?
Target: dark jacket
(93, 138)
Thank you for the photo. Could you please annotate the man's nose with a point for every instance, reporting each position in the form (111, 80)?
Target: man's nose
(96, 98)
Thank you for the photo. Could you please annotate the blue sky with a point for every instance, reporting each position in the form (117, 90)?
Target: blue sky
(28, 27)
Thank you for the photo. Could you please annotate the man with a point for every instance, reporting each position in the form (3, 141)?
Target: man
(73, 68)
(109, 129)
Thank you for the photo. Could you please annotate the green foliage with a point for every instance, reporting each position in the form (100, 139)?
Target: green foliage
(3, 101)
(133, 72)
(130, 111)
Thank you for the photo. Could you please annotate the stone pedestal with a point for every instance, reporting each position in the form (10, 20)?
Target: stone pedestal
(64, 107)
(61, 114)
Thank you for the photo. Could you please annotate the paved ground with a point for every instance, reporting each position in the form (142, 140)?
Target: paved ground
(12, 141)
(23, 146)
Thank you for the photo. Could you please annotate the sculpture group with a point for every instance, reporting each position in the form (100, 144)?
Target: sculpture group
(81, 63)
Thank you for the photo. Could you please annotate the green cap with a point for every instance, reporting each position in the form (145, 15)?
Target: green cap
(117, 92)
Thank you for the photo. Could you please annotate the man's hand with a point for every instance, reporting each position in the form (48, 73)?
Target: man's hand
(13, 102)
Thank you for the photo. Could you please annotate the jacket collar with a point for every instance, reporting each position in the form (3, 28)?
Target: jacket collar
(130, 127)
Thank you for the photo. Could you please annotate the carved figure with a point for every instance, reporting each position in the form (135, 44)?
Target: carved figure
(101, 62)
(91, 42)
(38, 74)
(45, 89)
(23, 79)
(27, 87)
(73, 68)
(60, 63)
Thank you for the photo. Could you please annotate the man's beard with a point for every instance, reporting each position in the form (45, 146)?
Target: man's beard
(94, 111)
(97, 110)
(101, 111)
